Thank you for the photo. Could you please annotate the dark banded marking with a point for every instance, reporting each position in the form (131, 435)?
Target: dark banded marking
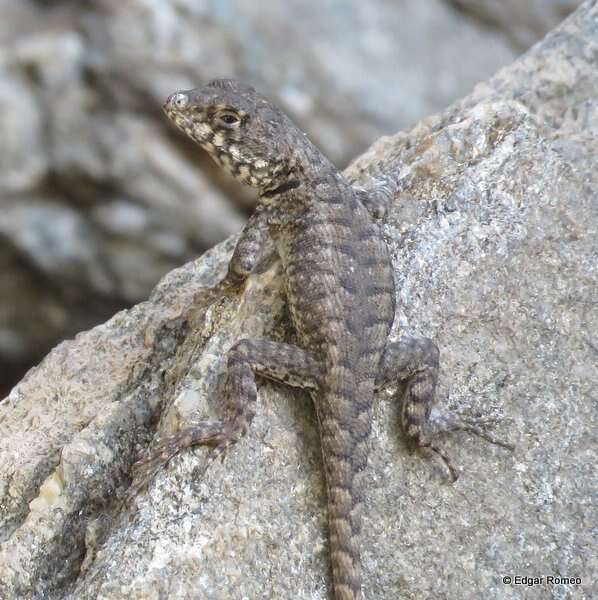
(281, 189)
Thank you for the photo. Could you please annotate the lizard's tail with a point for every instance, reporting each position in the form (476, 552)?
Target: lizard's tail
(345, 444)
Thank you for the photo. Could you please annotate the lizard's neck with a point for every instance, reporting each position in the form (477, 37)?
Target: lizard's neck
(301, 163)
(311, 163)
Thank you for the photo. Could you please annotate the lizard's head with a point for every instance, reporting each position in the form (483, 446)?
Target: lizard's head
(243, 131)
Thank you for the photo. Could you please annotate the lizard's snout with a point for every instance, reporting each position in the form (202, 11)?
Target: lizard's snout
(176, 101)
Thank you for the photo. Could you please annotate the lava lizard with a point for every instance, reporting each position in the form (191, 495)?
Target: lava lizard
(340, 290)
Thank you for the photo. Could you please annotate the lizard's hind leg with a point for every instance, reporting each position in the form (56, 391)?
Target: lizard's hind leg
(280, 362)
(415, 361)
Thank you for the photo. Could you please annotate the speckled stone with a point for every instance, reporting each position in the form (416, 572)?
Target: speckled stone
(493, 233)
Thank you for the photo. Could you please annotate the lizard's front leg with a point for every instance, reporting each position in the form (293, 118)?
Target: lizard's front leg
(253, 244)
(415, 361)
(277, 361)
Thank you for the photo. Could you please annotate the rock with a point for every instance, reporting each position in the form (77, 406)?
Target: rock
(80, 91)
(492, 230)
(524, 21)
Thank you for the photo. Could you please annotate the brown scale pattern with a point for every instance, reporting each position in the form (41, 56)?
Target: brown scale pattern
(340, 289)
(323, 235)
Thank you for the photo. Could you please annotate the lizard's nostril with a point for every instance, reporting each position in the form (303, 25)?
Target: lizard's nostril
(177, 101)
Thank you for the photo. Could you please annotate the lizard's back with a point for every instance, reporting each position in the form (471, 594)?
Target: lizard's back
(340, 292)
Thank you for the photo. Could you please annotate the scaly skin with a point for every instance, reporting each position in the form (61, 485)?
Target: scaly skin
(340, 290)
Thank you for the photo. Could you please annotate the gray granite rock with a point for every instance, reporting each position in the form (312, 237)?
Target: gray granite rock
(81, 130)
(493, 231)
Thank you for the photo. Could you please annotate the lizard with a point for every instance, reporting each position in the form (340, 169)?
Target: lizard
(340, 290)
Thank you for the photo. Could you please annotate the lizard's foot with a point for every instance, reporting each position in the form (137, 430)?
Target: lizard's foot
(415, 360)
(444, 457)
(216, 435)
(442, 421)
(281, 362)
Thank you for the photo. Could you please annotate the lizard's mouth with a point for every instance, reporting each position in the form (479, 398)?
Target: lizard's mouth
(196, 129)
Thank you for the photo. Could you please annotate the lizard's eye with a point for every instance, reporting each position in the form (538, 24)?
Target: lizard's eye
(228, 119)
(180, 100)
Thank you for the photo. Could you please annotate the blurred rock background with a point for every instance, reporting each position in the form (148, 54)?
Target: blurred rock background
(99, 197)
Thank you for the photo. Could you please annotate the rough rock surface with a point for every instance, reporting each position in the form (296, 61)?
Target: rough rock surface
(493, 231)
(99, 198)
